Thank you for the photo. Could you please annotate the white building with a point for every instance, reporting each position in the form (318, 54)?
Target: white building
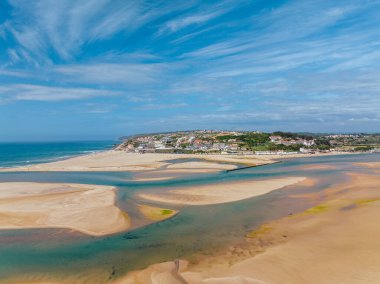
(308, 143)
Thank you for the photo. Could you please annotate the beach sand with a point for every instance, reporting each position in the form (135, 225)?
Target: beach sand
(132, 162)
(220, 193)
(122, 161)
(337, 241)
(89, 209)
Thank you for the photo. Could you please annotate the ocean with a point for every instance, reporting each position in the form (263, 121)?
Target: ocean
(24, 153)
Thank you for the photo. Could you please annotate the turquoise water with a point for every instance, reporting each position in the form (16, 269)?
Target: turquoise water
(19, 154)
(195, 230)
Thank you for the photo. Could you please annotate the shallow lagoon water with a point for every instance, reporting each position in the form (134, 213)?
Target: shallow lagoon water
(195, 230)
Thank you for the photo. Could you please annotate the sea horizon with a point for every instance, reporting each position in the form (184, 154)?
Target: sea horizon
(13, 154)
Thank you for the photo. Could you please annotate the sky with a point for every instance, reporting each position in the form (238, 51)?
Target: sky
(101, 69)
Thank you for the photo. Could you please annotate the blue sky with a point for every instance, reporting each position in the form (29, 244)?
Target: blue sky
(100, 69)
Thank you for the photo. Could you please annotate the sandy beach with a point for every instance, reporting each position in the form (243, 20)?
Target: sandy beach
(221, 193)
(121, 161)
(89, 209)
(336, 241)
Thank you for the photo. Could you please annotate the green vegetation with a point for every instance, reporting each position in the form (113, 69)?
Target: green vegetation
(259, 232)
(166, 212)
(366, 201)
(292, 135)
(364, 148)
(317, 209)
(225, 138)
(253, 139)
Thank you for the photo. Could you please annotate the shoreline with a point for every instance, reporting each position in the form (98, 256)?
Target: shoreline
(119, 161)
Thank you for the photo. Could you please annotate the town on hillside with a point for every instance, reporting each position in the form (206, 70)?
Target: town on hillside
(248, 142)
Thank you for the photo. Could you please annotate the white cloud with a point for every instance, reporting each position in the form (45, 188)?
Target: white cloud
(177, 24)
(131, 74)
(65, 26)
(158, 106)
(14, 73)
(26, 92)
(205, 14)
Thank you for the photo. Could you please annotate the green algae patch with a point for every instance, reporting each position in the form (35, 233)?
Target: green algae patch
(156, 213)
(317, 209)
(259, 232)
(366, 201)
(167, 212)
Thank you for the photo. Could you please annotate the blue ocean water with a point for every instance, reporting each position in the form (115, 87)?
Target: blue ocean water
(20, 153)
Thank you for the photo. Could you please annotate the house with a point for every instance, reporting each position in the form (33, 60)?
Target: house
(191, 139)
(275, 138)
(306, 151)
(265, 153)
(308, 143)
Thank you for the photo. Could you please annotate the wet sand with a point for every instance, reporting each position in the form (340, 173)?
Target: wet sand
(319, 167)
(337, 241)
(89, 209)
(220, 193)
(372, 165)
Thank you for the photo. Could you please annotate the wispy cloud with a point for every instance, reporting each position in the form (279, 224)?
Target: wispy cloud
(121, 74)
(205, 14)
(158, 106)
(26, 92)
(285, 64)
(14, 73)
(198, 19)
(65, 26)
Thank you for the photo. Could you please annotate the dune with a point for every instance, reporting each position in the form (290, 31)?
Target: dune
(89, 209)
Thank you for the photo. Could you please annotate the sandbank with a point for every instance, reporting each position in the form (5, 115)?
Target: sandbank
(89, 209)
(220, 193)
(156, 213)
(337, 241)
(133, 162)
(113, 160)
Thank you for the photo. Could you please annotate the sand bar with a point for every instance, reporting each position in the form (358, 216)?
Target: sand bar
(122, 161)
(220, 193)
(335, 242)
(113, 160)
(89, 209)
